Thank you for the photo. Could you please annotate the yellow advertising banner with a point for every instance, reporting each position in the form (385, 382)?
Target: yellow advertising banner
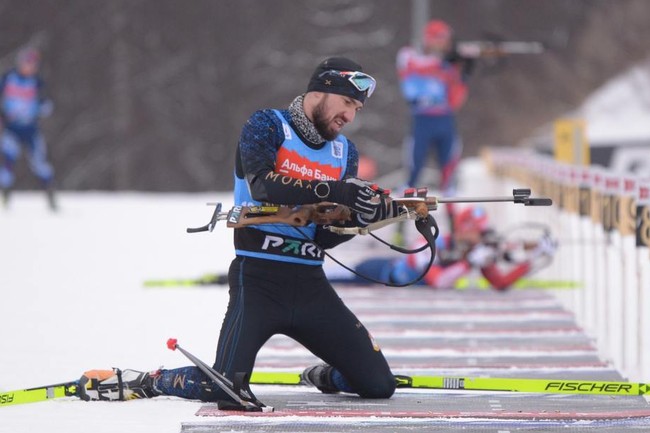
(570, 141)
(627, 208)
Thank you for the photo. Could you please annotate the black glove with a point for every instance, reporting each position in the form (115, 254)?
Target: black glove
(386, 209)
(354, 193)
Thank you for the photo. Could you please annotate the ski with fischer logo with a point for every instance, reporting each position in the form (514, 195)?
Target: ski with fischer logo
(547, 386)
(40, 393)
(208, 280)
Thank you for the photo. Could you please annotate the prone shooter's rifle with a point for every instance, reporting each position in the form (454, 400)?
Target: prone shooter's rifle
(415, 205)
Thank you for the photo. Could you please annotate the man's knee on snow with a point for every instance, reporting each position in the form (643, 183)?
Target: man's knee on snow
(9, 146)
(42, 169)
(329, 381)
(382, 387)
(6, 178)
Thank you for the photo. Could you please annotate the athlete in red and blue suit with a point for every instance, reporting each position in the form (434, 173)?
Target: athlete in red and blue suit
(472, 246)
(435, 90)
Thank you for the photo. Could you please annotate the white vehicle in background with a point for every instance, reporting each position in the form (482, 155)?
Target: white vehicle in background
(629, 157)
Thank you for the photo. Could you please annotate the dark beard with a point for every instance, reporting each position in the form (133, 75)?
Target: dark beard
(321, 124)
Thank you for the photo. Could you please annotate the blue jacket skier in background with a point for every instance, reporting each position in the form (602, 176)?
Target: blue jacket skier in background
(22, 104)
(277, 284)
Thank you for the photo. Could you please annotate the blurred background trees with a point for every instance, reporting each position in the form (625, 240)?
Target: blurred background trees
(151, 94)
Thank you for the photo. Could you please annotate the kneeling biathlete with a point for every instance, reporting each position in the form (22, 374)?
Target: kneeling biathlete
(277, 284)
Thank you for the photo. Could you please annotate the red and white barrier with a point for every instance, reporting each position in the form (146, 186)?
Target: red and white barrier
(602, 222)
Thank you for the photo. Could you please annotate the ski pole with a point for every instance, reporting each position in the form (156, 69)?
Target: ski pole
(245, 398)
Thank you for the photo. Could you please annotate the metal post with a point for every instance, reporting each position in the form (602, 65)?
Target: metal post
(419, 18)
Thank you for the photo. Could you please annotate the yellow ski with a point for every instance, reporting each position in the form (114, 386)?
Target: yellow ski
(548, 386)
(42, 393)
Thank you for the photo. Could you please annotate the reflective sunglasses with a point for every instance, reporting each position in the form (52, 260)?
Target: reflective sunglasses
(360, 80)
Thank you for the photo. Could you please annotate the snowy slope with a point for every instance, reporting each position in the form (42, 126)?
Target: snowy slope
(73, 300)
(619, 110)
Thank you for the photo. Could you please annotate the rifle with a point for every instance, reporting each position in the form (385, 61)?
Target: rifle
(483, 49)
(493, 53)
(507, 249)
(415, 205)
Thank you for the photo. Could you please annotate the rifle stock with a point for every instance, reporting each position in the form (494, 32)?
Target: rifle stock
(299, 216)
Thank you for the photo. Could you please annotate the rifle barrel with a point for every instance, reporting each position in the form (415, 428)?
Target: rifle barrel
(474, 199)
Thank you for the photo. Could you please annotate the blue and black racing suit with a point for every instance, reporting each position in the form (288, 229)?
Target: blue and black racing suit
(22, 104)
(277, 282)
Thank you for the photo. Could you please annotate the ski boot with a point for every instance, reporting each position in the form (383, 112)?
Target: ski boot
(319, 376)
(51, 199)
(117, 385)
(6, 195)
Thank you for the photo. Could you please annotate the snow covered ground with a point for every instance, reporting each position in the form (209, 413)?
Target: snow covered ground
(73, 300)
